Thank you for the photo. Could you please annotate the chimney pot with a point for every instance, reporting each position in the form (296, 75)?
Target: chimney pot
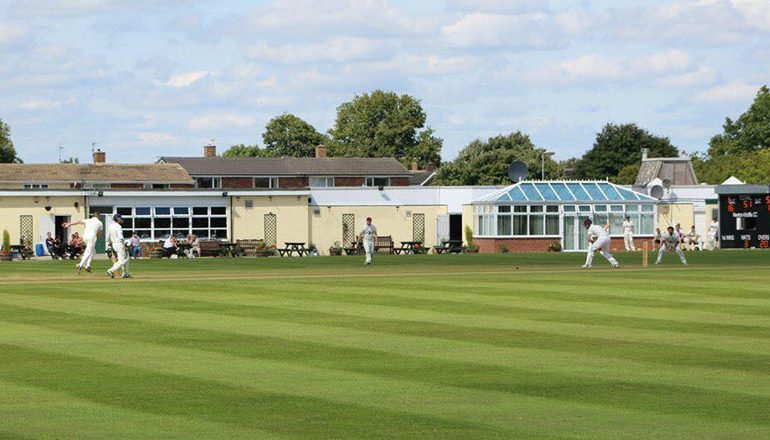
(414, 166)
(645, 153)
(100, 156)
(210, 151)
(321, 151)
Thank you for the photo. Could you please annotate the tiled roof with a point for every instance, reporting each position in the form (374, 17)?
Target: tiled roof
(678, 171)
(289, 166)
(64, 172)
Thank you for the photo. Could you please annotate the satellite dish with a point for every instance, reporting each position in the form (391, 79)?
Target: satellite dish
(657, 192)
(517, 171)
(666, 183)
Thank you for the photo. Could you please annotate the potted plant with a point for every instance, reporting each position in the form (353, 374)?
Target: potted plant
(5, 251)
(312, 250)
(469, 247)
(504, 248)
(156, 252)
(554, 247)
(335, 249)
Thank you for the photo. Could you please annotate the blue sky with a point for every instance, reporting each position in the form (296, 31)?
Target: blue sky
(160, 77)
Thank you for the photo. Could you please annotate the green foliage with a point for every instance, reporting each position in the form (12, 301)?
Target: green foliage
(749, 134)
(627, 176)
(7, 151)
(289, 136)
(6, 241)
(468, 236)
(242, 150)
(487, 162)
(618, 146)
(384, 124)
(753, 167)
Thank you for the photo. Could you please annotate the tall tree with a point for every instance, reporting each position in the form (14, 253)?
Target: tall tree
(242, 150)
(750, 133)
(7, 151)
(384, 124)
(288, 135)
(487, 162)
(618, 146)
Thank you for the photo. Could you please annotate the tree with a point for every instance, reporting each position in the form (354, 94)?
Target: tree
(487, 162)
(618, 146)
(748, 134)
(242, 150)
(384, 124)
(288, 135)
(7, 151)
(749, 167)
(627, 176)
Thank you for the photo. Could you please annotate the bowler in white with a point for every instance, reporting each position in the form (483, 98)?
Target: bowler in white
(599, 240)
(368, 235)
(116, 240)
(93, 229)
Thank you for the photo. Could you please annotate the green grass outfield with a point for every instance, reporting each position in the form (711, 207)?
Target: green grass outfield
(446, 347)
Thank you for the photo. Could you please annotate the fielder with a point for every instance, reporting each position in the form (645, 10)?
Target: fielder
(368, 235)
(712, 234)
(116, 240)
(93, 229)
(628, 234)
(599, 240)
(671, 241)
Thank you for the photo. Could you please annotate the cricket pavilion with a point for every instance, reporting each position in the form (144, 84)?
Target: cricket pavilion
(320, 200)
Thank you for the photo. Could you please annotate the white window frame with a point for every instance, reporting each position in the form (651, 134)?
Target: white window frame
(216, 182)
(272, 182)
(327, 181)
(369, 181)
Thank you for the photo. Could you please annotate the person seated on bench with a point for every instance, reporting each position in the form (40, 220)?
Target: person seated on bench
(693, 240)
(55, 249)
(194, 250)
(170, 247)
(76, 246)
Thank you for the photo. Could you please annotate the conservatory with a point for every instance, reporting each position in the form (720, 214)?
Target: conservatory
(535, 215)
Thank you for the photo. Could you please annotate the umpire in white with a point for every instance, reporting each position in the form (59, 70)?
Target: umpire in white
(116, 240)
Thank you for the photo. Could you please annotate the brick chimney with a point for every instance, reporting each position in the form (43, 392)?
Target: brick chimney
(100, 156)
(321, 151)
(210, 150)
(645, 153)
(414, 166)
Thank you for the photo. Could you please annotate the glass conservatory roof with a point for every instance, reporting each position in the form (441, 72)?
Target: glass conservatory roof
(564, 191)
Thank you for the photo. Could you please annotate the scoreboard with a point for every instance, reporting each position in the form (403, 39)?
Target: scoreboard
(744, 220)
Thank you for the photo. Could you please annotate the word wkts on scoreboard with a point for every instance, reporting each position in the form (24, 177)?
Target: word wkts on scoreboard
(744, 221)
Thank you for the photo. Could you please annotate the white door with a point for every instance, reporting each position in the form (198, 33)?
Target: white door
(442, 228)
(47, 224)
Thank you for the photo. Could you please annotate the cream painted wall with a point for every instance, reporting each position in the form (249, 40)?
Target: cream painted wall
(291, 215)
(467, 220)
(671, 214)
(389, 220)
(12, 208)
(20, 185)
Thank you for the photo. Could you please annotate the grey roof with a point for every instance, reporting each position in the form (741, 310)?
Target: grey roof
(289, 166)
(678, 170)
(421, 177)
(743, 189)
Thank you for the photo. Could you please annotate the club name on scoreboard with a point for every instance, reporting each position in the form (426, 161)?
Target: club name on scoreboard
(744, 220)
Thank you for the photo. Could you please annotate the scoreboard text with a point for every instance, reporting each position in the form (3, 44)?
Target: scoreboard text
(744, 221)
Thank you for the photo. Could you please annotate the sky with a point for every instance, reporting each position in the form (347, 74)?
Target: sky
(146, 78)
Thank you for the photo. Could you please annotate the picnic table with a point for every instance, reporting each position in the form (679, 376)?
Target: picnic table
(410, 247)
(22, 251)
(356, 248)
(451, 246)
(229, 249)
(292, 247)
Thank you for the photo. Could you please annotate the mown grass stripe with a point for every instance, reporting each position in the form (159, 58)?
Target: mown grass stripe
(543, 359)
(517, 414)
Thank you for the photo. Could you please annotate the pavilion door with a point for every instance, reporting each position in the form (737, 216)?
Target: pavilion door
(574, 234)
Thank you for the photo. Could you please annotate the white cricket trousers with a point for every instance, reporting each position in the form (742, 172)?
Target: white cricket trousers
(122, 263)
(88, 254)
(712, 242)
(603, 246)
(678, 250)
(628, 240)
(369, 249)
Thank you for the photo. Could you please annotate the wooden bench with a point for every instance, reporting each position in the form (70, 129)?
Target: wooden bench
(211, 248)
(451, 246)
(249, 247)
(384, 244)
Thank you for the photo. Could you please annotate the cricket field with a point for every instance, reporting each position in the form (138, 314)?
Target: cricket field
(423, 346)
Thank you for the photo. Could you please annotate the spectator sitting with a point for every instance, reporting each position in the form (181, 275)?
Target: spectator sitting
(656, 240)
(136, 246)
(194, 249)
(170, 247)
(76, 246)
(680, 232)
(55, 249)
(693, 240)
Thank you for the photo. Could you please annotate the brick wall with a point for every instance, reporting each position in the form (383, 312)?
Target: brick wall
(293, 182)
(492, 245)
(348, 181)
(399, 181)
(126, 186)
(237, 182)
(182, 185)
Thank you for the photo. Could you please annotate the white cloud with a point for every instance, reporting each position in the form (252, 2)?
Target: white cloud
(592, 66)
(156, 138)
(47, 104)
(500, 6)
(661, 62)
(701, 75)
(339, 49)
(457, 119)
(210, 122)
(186, 79)
(10, 32)
(527, 31)
(730, 92)
(756, 13)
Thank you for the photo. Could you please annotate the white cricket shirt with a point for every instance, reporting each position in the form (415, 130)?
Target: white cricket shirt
(628, 227)
(369, 232)
(597, 232)
(92, 227)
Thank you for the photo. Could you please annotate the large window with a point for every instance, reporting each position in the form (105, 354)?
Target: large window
(265, 182)
(36, 186)
(378, 181)
(208, 182)
(321, 182)
(159, 223)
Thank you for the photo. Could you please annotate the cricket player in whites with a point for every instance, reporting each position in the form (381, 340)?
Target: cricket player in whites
(115, 238)
(599, 240)
(671, 241)
(628, 234)
(93, 228)
(368, 235)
